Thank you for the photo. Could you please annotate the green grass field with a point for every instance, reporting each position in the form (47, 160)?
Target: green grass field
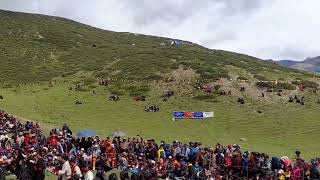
(279, 130)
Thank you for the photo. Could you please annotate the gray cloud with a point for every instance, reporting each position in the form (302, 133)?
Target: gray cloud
(148, 12)
(278, 29)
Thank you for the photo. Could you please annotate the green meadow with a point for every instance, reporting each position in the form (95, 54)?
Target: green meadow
(279, 130)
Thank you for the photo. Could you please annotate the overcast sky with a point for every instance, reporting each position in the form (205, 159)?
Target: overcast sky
(268, 29)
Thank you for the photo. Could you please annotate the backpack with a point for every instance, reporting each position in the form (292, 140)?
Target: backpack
(276, 163)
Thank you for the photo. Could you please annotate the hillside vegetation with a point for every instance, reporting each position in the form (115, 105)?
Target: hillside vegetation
(38, 48)
(49, 63)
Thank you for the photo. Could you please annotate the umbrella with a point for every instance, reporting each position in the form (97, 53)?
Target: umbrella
(86, 133)
(118, 134)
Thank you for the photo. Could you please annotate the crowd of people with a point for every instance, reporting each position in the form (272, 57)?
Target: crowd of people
(28, 154)
(153, 108)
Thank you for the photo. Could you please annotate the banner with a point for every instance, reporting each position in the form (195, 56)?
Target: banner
(192, 115)
(178, 115)
(198, 115)
(208, 114)
(188, 115)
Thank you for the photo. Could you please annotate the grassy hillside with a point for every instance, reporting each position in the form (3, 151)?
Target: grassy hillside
(43, 58)
(38, 48)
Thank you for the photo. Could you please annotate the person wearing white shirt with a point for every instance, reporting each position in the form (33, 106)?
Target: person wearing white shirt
(65, 172)
(3, 137)
(76, 172)
(88, 175)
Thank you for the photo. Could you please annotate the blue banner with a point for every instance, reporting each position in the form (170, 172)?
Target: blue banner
(198, 115)
(178, 115)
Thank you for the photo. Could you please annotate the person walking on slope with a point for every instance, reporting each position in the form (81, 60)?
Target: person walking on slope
(262, 93)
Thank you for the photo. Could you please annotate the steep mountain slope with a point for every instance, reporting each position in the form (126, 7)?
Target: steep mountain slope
(38, 48)
(310, 64)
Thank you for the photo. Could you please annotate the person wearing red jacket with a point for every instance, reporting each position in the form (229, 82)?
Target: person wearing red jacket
(228, 162)
(112, 155)
(27, 138)
(54, 140)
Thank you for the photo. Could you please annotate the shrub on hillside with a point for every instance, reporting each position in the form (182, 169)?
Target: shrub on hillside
(174, 66)
(260, 78)
(241, 78)
(214, 76)
(217, 87)
(153, 77)
(82, 89)
(286, 86)
(137, 90)
(207, 75)
(102, 73)
(88, 81)
(117, 92)
(92, 86)
(66, 74)
(265, 84)
(77, 82)
(306, 83)
(211, 73)
(277, 86)
(116, 89)
(7, 85)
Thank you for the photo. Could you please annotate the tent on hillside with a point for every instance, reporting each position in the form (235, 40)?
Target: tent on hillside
(177, 42)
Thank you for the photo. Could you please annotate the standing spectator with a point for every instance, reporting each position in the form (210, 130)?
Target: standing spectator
(65, 172)
(88, 175)
(75, 170)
